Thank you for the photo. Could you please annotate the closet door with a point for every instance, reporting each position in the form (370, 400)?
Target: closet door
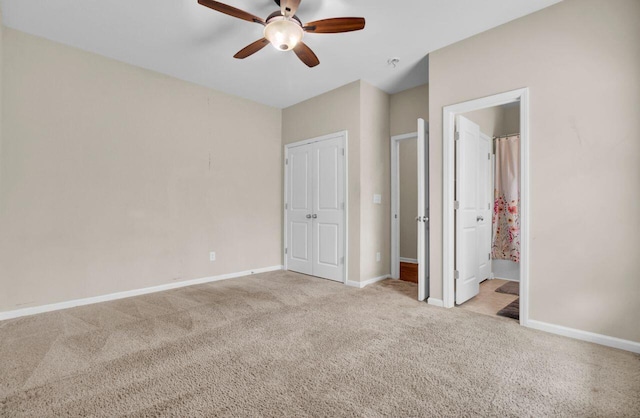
(300, 210)
(328, 209)
(315, 208)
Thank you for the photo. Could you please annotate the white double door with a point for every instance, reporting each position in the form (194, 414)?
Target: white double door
(474, 203)
(315, 208)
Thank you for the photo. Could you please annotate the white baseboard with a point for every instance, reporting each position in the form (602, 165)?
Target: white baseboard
(435, 302)
(408, 260)
(505, 278)
(585, 336)
(129, 293)
(365, 283)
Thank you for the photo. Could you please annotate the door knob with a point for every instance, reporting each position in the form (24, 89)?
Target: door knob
(314, 216)
(308, 216)
(479, 218)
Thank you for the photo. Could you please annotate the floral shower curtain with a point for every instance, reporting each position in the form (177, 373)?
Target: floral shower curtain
(506, 209)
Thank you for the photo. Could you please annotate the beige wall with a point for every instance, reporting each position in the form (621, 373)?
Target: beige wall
(408, 198)
(405, 109)
(118, 178)
(489, 119)
(334, 111)
(375, 178)
(497, 120)
(510, 120)
(581, 61)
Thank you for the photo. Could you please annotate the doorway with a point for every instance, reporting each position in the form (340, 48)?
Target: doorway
(410, 208)
(488, 145)
(315, 203)
(405, 207)
(470, 207)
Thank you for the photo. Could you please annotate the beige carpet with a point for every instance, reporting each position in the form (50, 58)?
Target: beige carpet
(283, 344)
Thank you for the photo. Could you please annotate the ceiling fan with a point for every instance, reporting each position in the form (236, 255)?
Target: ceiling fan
(284, 30)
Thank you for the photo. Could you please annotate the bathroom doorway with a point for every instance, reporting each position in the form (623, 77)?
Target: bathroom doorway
(493, 138)
(485, 157)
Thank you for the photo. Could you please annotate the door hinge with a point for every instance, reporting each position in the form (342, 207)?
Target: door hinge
(489, 256)
(286, 161)
(286, 251)
(341, 260)
(456, 205)
(343, 151)
(396, 216)
(456, 274)
(286, 206)
(488, 156)
(456, 136)
(342, 205)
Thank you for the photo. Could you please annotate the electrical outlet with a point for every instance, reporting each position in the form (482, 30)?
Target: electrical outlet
(378, 257)
(212, 256)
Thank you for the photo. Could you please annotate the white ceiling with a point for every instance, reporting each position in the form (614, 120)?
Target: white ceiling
(186, 40)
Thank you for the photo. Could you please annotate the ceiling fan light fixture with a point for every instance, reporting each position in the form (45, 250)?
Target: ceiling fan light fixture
(284, 33)
(284, 30)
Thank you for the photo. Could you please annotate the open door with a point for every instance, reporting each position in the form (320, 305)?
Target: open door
(423, 210)
(485, 207)
(469, 215)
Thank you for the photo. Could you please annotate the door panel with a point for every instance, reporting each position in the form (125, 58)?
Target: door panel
(328, 203)
(299, 210)
(328, 235)
(467, 257)
(300, 179)
(300, 232)
(327, 175)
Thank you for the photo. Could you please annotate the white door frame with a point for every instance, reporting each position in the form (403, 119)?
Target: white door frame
(344, 135)
(448, 178)
(395, 201)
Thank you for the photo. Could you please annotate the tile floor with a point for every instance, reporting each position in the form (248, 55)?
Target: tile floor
(488, 301)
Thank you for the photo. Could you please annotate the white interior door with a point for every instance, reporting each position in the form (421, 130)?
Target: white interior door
(299, 210)
(423, 210)
(328, 209)
(485, 204)
(315, 208)
(467, 210)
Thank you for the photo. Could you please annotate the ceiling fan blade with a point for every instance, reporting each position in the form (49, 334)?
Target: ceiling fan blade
(289, 7)
(306, 55)
(335, 25)
(251, 49)
(231, 11)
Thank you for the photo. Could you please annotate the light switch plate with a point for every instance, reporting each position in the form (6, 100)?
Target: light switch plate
(212, 256)
(377, 199)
